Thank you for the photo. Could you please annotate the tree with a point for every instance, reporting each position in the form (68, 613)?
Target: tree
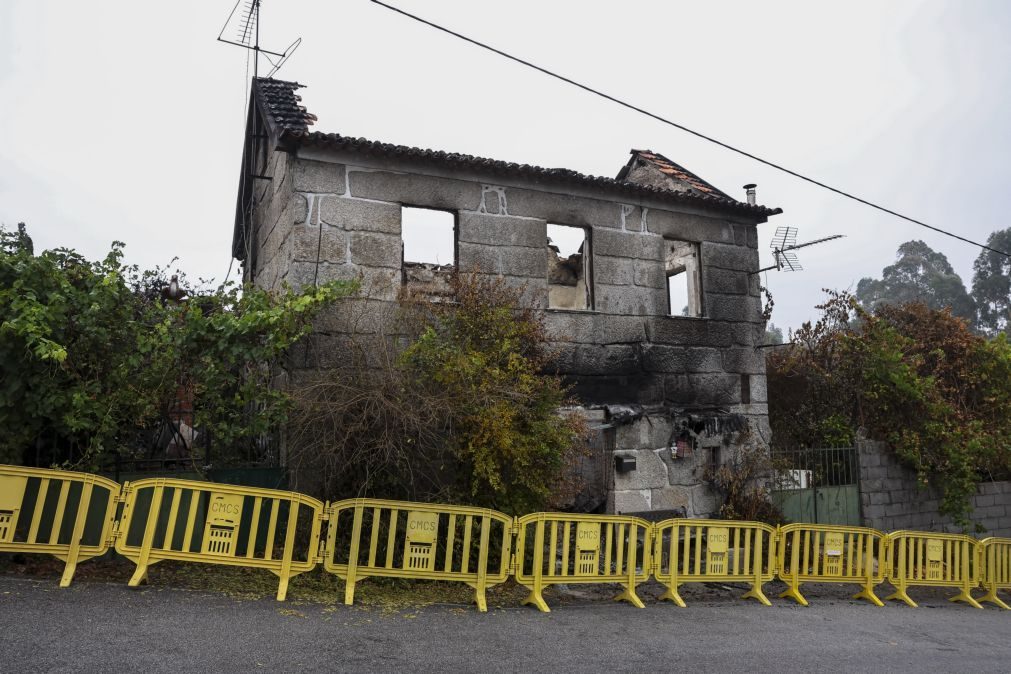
(991, 285)
(920, 274)
(908, 374)
(93, 356)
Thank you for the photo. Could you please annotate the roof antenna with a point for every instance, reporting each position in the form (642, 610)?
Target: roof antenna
(247, 36)
(784, 242)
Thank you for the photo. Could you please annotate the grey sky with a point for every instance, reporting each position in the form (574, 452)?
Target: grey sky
(123, 119)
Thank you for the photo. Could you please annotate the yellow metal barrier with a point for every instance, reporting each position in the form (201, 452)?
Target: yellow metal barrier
(925, 558)
(995, 554)
(60, 513)
(821, 553)
(699, 551)
(216, 524)
(418, 540)
(577, 539)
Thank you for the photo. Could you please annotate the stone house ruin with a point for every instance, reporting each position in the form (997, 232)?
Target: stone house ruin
(645, 278)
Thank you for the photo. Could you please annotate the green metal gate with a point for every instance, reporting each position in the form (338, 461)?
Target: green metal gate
(818, 485)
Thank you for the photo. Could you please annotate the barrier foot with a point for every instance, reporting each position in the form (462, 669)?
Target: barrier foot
(349, 593)
(68, 574)
(139, 576)
(631, 597)
(672, 595)
(756, 593)
(868, 594)
(901, 595)
(794, 594)
(537, 600)
(992, 597)
(282, 589)
(967, 598)
(480, 600)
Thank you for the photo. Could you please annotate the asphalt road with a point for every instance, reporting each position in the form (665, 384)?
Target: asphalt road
(102, 627)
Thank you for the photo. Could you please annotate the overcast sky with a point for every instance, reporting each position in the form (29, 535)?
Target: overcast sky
(122, 120)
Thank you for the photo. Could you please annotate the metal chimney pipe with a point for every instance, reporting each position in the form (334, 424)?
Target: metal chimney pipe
(750, 187)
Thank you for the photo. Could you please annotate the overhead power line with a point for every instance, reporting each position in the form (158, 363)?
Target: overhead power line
(697, 134)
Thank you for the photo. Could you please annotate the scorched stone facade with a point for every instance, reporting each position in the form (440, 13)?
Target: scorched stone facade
(673, 392)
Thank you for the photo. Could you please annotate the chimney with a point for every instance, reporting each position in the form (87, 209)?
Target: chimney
(750, 187)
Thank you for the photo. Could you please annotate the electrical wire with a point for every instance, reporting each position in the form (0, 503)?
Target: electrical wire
(697, 134)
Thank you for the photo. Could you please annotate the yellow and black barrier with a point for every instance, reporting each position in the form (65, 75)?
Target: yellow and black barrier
(218, 524)
(417, 540)
(702, 551)
(553, 548)
(995, 555)
(932, 559)
(820, 553)
(73, 516)
(61, 513)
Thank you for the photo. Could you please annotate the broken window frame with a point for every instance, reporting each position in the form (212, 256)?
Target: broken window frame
(699, 293)
(587, 265)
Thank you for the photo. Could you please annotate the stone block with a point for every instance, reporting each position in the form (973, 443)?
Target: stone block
(616, 243)
(479, 258)
(627, 300)
(318, 177)
(703, 360)
(682, 331)
(726, 281)
(740, 235)
(360, 215)
(597, 359)
(500, 230)
(299, 208)
(691, 390)
(618, 271)
(983, 501)
(732, 307)
(373, 249)
(689, 227)
(328, 244)
(415, 190)
(650, 472)
(748, 334)
(759, 389)
(666, 359)
(752, 236)
(738, 258)
(670, 498)
(636, 501)
(880, 498)
(562, 209)
(745, 361)
(524, 261)
(650, 274)
(593, 328)
(704, 502)
(638, 388)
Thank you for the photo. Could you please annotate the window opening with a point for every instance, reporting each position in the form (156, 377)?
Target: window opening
(429, 242)
(569, 286)
(684, 288)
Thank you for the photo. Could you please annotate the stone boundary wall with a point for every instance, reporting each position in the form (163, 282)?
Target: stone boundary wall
(890, 498)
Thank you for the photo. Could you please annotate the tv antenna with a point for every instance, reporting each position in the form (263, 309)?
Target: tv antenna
(244, 20)
(784, 242)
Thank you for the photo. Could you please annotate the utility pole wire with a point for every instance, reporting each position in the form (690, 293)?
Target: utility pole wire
(697, 134)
